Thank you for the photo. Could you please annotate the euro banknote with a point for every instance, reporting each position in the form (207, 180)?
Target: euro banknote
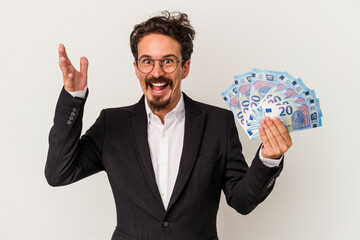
(260, 93)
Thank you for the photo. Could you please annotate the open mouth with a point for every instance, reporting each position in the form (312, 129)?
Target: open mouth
(158, 88)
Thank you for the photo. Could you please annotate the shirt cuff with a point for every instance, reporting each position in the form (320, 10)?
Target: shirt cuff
(269, 162)
(80, 94)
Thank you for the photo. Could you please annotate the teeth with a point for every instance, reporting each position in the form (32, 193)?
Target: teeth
(158, 84)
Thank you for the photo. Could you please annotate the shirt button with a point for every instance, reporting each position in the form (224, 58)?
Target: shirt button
(165, 224)
(162, 194)
(164, 135)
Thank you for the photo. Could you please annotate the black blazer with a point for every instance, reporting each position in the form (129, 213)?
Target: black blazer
(211, 161)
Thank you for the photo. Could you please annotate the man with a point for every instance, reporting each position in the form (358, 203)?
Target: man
(167, 157)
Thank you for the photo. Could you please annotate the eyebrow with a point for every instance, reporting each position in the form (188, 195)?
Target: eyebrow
(168, 55)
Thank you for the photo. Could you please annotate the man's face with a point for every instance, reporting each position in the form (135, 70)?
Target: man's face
(162, 90)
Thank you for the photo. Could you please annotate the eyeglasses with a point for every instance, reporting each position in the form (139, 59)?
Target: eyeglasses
(168, 65)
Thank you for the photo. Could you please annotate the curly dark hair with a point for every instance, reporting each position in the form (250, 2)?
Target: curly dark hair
(172, 24)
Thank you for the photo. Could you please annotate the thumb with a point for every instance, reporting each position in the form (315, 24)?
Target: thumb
(84, 63)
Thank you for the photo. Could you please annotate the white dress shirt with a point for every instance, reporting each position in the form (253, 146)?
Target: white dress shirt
(166, 143)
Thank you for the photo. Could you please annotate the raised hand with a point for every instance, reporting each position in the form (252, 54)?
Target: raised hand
(73, 80)
(275, 137)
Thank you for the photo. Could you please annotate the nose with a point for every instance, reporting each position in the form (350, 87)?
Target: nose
(157, 70)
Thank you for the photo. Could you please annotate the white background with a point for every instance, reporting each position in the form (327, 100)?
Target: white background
(317, 195)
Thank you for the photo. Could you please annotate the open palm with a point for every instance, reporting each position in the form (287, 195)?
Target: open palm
(73, 80)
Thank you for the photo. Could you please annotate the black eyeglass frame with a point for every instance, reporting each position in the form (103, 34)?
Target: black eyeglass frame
(161, 64)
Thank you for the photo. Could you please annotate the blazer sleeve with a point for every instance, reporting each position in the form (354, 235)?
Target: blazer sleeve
(246, 187)
(70, 158)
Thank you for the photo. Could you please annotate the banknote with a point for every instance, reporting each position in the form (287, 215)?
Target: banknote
(310, 95)
(296, 116)
(269, 103)
(231, 98)
(258, 90)
(243, 83)
(260, 93)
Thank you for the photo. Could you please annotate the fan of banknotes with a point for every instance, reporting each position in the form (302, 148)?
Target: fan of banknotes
(260, 93)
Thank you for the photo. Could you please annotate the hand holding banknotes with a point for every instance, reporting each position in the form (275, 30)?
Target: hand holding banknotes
(275, 138)
(264, 94)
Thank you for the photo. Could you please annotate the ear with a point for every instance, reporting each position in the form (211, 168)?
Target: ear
(136, 70)
(186, 69)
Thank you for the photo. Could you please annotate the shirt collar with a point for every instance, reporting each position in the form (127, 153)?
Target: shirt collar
(178, 111)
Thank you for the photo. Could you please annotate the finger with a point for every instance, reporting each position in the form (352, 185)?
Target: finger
(69, 83)
(84, 63)
(273, 128)
(273, 124)
(63, 50)
(283, 131)
(64, 67)
(270, 134)
(280, 134)
(264, 138)
(62, 53)
(71, 77)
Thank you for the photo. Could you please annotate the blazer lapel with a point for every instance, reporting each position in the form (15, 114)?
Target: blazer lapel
(138, 124)
(194, 127)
